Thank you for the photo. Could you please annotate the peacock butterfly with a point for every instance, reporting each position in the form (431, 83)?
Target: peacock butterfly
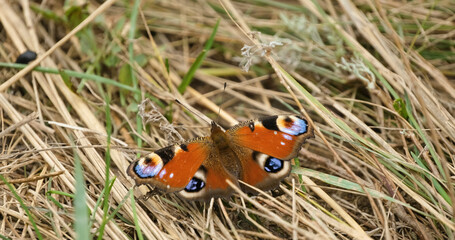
(257, 152)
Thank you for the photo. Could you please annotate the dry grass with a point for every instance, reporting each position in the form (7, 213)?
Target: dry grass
(376, 77)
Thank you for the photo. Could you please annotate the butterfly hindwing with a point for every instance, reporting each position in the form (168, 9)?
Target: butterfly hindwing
(263, 171)
(222, 165)
(209, 181)
(265, 147)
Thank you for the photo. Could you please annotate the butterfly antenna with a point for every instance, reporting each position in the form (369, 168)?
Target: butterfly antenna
(222, 97)
(191, 110)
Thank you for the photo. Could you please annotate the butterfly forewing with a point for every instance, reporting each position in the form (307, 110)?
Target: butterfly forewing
(171, 168)
(277, 136)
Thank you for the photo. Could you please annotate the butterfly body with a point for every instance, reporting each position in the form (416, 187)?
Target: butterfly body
(257, 152)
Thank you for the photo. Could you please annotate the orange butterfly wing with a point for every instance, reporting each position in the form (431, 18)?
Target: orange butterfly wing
(277, 136)
(264, 147)
(209, 181)
(171, 168)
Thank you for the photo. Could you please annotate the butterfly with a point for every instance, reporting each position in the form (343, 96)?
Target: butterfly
(257, 152)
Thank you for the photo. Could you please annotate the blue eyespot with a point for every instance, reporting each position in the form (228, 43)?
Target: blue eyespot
(195, 185)
(294, 126)
(145, 171)
(273, 165)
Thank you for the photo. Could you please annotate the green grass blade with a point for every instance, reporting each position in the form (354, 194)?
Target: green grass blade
(107, 160)
(131, 39)
(4, 237)
(195, 66)
(70, 73)
(81, 226)
(348, 185)
(21, 202)
(136, 221)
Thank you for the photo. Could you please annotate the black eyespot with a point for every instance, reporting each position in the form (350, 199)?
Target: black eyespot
(147, 160)
(273, 165)
(195, 185)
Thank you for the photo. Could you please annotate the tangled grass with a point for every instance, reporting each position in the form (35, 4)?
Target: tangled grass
(376, 77)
